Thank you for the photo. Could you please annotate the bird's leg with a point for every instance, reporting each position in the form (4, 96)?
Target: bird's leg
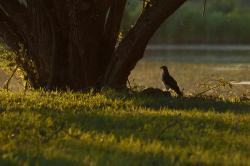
(168, 89)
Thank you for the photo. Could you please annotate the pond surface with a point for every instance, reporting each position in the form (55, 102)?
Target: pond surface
(191, 68)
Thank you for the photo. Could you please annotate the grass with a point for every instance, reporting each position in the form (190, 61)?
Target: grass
(111, 128)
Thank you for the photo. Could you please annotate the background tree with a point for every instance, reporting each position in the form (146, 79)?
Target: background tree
(74, 43)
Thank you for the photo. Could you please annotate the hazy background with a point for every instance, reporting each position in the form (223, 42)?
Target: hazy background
(225, 21)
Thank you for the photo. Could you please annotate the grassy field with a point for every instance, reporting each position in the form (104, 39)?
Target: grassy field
(125, 128)
(110, 128)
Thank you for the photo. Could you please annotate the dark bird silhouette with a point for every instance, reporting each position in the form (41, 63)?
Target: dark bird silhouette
(169, 81)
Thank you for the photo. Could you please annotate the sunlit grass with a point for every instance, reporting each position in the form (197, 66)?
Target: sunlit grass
(111, 128)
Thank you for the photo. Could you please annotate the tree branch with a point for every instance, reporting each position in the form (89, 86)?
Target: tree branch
(131, 49)
(10, 31)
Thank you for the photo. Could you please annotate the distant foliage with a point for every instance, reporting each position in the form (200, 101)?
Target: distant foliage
(217, 26)
(225, 21)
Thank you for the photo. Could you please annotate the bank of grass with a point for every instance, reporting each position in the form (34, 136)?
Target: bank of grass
(109, 128)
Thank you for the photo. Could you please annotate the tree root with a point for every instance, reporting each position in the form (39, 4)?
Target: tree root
(7, 82)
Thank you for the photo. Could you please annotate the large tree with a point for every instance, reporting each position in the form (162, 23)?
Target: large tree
(74, 43)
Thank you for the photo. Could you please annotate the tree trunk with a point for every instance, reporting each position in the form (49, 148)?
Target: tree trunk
(132, 48)
(72, 43)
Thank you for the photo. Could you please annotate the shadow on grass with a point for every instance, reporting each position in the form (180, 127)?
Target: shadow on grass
(171, 129)
(174, 129)
(150, 127)
(40, 159)
(113, 155)
(93, 153)
(186, 103)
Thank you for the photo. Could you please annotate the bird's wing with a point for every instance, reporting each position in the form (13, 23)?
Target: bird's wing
(173, 84)
(165, 81)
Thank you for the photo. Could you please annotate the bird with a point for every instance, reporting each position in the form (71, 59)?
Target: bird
(169, 81)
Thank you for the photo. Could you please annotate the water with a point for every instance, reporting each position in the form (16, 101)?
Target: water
(199, 47)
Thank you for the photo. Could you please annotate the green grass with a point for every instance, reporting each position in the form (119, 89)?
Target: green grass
(110, 128)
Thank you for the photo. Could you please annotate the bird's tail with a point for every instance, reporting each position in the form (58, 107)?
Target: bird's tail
(179, 92)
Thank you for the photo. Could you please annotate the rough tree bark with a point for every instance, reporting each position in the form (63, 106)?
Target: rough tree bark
(73, 43)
